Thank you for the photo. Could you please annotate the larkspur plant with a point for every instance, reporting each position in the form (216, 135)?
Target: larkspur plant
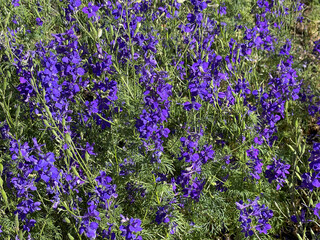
(260, 214)
(159, 119)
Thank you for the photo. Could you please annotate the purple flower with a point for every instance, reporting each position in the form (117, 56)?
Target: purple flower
(29, 224)
(310, 181)
(315, 158)
(80, 71)
(255, 164)
(133, 190)
(220, 184)
(39, 21)
(91, 230)
(316, 210)
(14, 19)
(285, 50)
(75, 3)
(173, 228)
(192, 187)
(133, 226)
(162, 215)
(188, 106)
(254, 211)
(277, 171)
(107, 234)
(316, 48)
(301, 217)
(15, 3)
(222, 10)
(156, 112)
(4, 130)
(91, 10)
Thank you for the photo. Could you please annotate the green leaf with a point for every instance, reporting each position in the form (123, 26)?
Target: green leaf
(17, 113)
(67, 220)
(46, 123)
(68, 138)
(74, 170)
(5, 198)
(94, 30)
(99, 33)
(70, 237)
(87, 156)
(292, 149)
(1, 168)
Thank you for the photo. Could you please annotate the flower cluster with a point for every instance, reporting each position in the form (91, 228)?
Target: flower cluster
(91, 11)
(277, 171)
(252, 211)
(311, 180)
(314, 160)
(29, 161)
(255, 163)
(157, 111)
(131, 228)
(316, 210)
(162, 215)
(191, 153)
(316, 48)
